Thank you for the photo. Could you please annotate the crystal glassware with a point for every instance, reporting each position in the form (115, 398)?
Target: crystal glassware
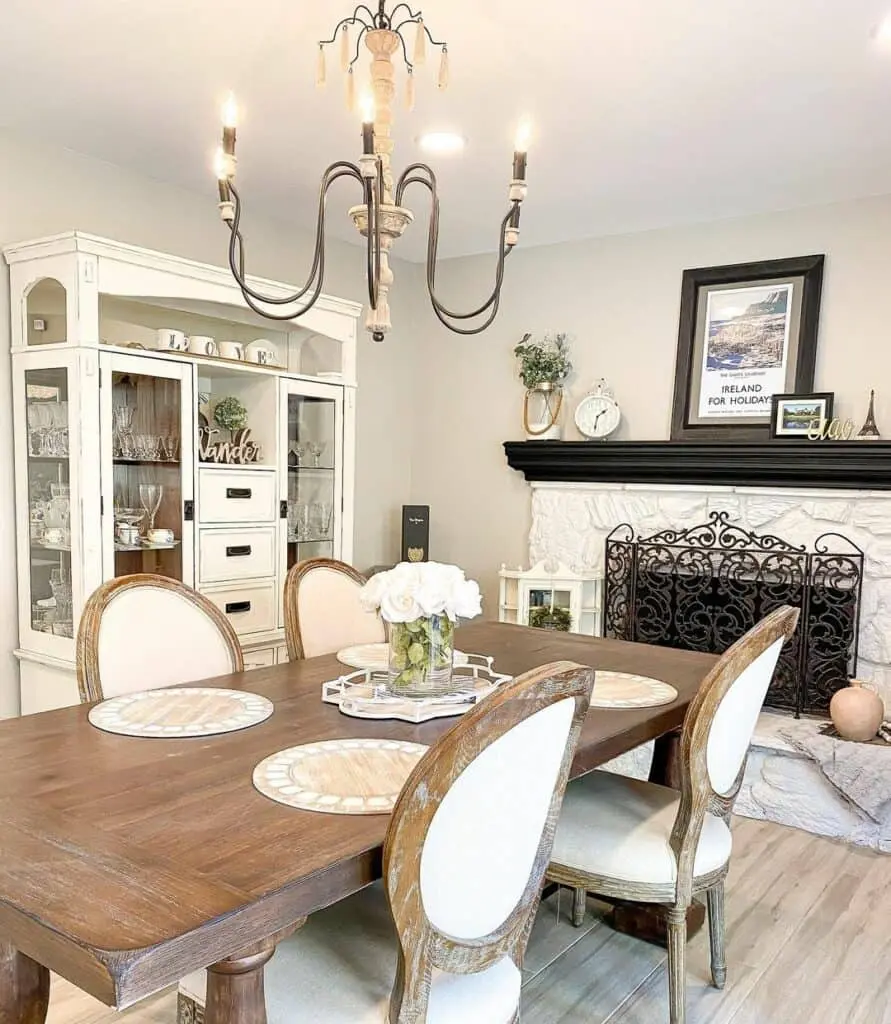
(150, 498)
(314, 449)
(122, 417)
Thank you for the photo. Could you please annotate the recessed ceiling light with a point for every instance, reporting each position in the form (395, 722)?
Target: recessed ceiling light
(882, 32)
(442, 142)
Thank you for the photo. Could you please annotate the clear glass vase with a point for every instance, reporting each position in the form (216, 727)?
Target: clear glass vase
(421, 654)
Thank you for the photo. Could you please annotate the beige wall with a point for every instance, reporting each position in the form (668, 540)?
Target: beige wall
(618, 297)
(47, 190)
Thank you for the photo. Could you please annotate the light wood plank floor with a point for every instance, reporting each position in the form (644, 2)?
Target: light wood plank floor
(808, 942)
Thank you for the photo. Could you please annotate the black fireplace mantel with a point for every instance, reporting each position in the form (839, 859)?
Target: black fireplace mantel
(859, 465)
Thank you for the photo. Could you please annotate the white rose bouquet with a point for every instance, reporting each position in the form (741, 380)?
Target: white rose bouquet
(422, 601)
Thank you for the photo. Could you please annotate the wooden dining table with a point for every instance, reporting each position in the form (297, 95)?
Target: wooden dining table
(126, 863)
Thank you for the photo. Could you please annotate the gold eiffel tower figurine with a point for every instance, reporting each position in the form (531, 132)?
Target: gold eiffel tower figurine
(869, 431)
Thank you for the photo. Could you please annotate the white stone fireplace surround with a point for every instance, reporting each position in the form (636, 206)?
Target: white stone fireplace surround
(796, 776)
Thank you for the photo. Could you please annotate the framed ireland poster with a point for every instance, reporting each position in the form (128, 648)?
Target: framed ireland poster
(747, 332)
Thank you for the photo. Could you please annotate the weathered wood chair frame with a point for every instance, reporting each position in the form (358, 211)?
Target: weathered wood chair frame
(697, 798)
(422, 946)
(89, 681)
(296, 574)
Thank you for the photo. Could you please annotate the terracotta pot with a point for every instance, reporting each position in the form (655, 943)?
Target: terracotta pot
(857, 712)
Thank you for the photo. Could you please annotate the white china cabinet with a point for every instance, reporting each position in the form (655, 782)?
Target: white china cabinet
(111, 473)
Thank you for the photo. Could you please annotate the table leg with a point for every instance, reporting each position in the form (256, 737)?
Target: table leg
(24, 988)
(235, 990)
(666, 766)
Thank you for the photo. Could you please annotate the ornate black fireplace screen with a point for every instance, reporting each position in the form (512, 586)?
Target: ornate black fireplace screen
(702, 588)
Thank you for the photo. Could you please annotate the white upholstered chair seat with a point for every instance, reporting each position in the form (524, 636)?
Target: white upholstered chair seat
(339, 969)
(618, 828)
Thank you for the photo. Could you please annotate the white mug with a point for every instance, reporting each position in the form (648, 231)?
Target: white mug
(169, 340)
(202, 345)
(262, 352)
(231, 350)
(159, 536)
(128, 534)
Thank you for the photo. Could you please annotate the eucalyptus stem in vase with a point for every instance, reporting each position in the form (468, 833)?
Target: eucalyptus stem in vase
(422, 602)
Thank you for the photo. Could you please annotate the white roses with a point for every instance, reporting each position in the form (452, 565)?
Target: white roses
(414, 590)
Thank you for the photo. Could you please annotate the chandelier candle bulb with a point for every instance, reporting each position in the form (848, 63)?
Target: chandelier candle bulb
(367, 125)
(230, 120)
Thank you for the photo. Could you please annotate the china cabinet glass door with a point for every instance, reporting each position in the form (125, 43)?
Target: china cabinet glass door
(147, 451)
(313, 451)
(53, 528)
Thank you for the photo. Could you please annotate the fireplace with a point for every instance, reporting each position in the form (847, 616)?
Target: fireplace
(703, 587)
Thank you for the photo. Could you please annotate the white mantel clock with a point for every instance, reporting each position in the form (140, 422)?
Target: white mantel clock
(597, 415)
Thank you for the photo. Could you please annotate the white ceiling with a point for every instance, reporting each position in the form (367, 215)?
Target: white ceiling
(646, 112)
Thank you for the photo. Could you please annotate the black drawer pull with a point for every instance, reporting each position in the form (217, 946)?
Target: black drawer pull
(238, 550)
(238, 492)
(237, 606)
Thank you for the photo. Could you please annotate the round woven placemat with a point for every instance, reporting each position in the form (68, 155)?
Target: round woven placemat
(180, 712)
(354, 776)
(624, 690)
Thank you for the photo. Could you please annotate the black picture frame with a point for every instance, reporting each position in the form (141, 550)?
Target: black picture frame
(777, 402)
(695, 284)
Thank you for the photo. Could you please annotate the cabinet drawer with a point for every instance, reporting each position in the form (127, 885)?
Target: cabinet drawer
(259, 659)
(281, 654)
(236, 496)
(250, 607)
(235, 554)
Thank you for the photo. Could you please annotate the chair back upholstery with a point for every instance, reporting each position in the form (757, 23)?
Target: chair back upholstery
(472, 831)
(718, 729)
(322, 610)
(144, 631)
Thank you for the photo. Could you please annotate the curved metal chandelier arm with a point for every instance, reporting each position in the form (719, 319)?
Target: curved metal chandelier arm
(374, 189)
(351, 20)
(337, 170)
(427, 178)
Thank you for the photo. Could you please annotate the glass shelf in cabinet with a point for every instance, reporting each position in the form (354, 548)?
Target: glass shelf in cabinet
(317, 469)
(145, 462)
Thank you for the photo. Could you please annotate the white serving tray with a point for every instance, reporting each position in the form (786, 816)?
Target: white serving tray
(361, 694)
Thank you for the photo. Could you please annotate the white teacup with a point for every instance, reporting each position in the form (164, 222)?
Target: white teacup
(202, 345)
(169, 340)
(128, 534)
(232, 350)
(262, 351)
(159, 536)
(54, 535)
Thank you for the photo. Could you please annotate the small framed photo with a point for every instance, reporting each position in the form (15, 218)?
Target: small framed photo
(800, 415)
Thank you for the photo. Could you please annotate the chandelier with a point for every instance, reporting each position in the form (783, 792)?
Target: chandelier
(381, 217)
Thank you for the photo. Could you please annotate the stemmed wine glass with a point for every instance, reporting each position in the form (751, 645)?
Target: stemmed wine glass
(314, 450)
(150, 498)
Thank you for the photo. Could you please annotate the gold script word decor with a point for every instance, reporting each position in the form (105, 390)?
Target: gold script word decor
(835, 429)
(180, 712)
(240, 450)
(352, 776)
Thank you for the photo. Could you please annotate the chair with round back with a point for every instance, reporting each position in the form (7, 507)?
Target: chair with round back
(638, 841)
(322, 609)
(144, 631)
(450, 931)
